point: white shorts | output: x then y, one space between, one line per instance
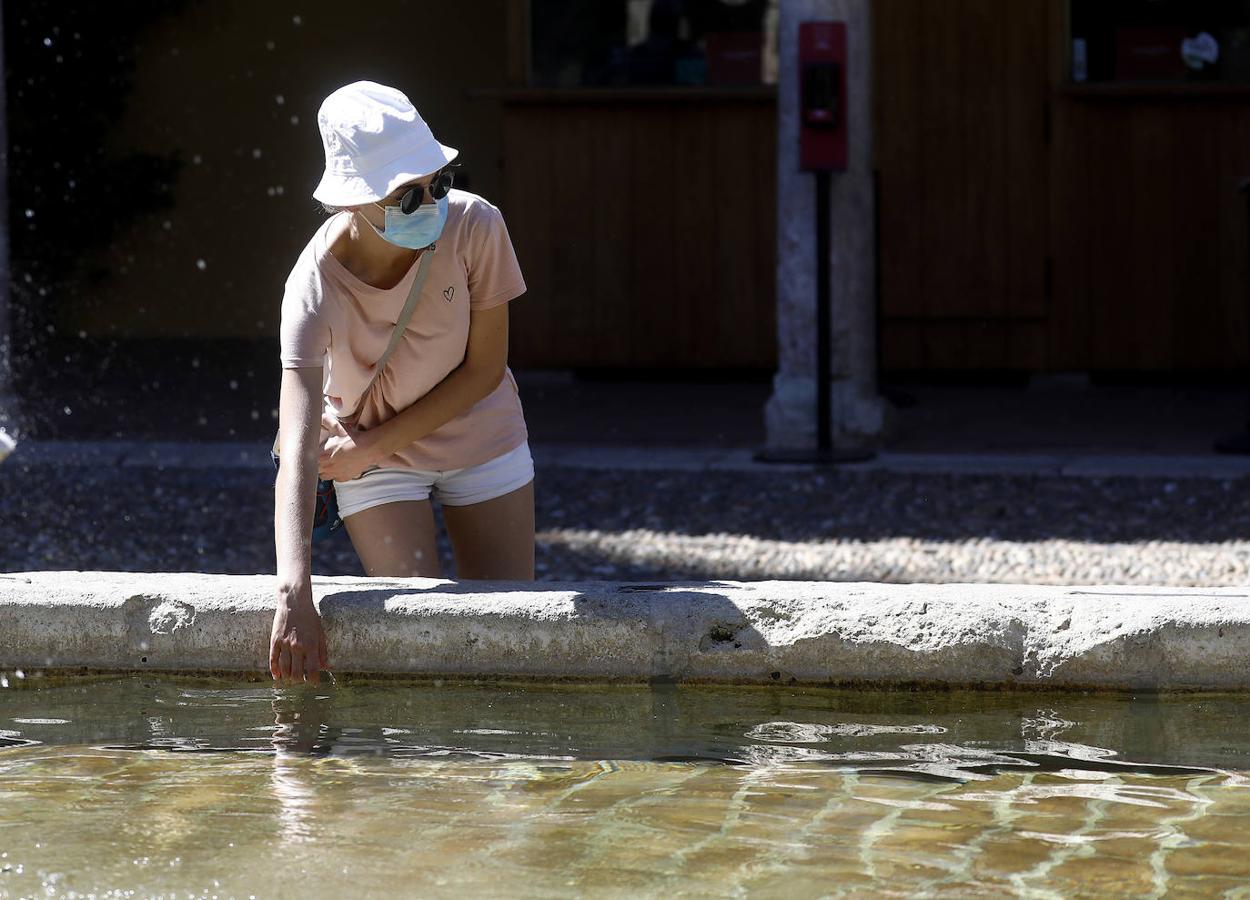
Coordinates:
452 487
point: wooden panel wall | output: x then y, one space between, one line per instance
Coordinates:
645 231
961 89
1150 239
1033 225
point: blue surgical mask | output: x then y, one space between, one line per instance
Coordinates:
418 229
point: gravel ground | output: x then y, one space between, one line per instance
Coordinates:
664 526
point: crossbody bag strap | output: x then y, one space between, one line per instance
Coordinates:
410 305
423 269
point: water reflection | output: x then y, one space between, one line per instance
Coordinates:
301 723
300 730
638 789
964 736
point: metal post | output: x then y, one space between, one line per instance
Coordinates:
824 452
824 321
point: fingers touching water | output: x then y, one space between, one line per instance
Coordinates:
297 643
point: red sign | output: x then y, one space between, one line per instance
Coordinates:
822 96
1149 54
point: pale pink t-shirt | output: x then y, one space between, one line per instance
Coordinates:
331 318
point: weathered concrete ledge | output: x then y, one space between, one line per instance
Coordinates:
747 632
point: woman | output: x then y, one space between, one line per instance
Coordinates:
443 417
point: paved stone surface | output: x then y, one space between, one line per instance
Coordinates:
761 632
80 506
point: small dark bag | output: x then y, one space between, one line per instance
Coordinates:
326 519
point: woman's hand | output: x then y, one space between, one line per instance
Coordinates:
348 452
297 644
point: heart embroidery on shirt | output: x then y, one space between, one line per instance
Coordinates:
447 293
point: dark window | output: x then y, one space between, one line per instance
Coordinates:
653 42
1160 40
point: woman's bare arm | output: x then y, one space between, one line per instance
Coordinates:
297 643
299 427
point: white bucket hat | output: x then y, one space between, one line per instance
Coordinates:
374 141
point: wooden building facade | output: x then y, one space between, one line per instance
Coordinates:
1040 208
1032 221
1027 220
642 206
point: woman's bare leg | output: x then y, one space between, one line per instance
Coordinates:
494 540
396 539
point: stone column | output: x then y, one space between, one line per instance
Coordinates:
858 413
8 399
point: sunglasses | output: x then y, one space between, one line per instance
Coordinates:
438 187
